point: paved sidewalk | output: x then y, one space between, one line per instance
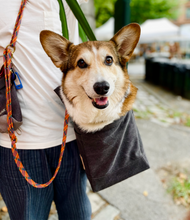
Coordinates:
155 107
157 104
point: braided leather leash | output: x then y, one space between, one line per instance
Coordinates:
7 57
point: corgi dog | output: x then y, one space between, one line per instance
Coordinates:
95 88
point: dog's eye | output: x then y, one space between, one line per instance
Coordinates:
81 63
109 60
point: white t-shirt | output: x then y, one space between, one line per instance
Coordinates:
42 110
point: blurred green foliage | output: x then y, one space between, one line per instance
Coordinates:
180 190
141 10
104 9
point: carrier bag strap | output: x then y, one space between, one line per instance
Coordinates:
7 57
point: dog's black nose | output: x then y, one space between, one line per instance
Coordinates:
101 88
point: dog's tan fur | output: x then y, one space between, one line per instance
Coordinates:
77 83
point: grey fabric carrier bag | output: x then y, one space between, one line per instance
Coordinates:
112 154
16 111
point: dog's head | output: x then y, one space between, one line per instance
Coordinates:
94 74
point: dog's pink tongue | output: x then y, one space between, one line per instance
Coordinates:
101 101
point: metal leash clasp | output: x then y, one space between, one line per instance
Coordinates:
16 79
11 48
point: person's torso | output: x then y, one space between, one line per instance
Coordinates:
42 110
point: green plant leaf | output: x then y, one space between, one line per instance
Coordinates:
74 6
63 19
82 34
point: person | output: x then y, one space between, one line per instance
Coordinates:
40 138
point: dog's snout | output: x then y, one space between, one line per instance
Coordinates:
101 88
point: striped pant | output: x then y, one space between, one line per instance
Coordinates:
68 190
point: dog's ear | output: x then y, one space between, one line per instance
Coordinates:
126 40
56 47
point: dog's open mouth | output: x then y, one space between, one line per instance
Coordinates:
100 103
